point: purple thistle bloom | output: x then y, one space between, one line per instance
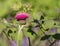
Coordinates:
57 43
25 41
54 29
21 16
13 43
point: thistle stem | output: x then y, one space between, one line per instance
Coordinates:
19 31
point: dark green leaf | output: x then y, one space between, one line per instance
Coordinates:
30 30
56 36
45 37
10 31
42 17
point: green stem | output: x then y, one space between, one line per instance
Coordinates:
19 31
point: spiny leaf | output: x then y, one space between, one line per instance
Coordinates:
45 37
56 36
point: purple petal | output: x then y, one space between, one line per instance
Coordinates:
25 41
13 43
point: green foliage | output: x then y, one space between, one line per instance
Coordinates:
47 12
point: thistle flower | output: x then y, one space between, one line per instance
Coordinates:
54 29
57 43
25 41
21 16
13 43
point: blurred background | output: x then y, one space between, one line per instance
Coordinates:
43 13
